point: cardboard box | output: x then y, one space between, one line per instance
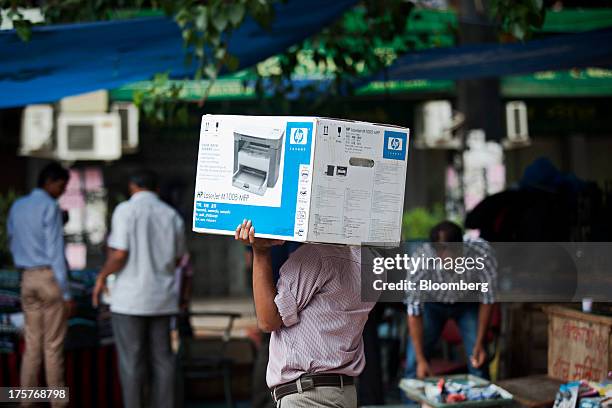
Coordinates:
579 344
302 179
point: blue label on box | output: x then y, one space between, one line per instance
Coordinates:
267 220
395 144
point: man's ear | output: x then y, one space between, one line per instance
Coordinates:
132 187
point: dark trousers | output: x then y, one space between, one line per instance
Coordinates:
143 346
260 397
370 386
435 316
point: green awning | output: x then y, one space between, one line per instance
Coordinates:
575 83
430 28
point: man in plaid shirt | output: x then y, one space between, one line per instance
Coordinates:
429 311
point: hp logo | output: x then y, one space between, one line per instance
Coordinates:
394 143
299 136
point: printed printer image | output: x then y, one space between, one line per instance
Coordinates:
257 157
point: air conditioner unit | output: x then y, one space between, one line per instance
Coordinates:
91 102
128 112
434 125
37 130
517 131
95 136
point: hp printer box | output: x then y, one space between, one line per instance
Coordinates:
303 179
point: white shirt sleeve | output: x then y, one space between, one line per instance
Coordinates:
119 237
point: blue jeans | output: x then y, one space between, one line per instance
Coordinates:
435 316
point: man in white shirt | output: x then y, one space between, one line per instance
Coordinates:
147 240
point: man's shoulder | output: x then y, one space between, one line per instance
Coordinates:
477 244
167 209
308 253
318 257
422 249
154 207
20 202
123 207
15 209
29 200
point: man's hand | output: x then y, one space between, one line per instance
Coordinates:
115 261
479 356
415 328
99 288
245 232
422 369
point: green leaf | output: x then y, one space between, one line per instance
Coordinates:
214 39
518 32
220 21
182 115
211 71
138 97
182 17
159 114
23 28
201 19
236 13
220 53
187 35
232 62
161 78
147 107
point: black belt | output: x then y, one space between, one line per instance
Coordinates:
310 381
34 268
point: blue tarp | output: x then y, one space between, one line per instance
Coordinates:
64 60
588 49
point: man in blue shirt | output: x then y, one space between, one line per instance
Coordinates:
35 231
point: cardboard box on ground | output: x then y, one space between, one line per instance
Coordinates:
579 344
306 179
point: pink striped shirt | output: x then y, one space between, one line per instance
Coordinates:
319 300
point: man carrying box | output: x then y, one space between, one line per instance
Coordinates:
316 318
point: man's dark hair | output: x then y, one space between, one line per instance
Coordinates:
52 172
446 231
146 179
